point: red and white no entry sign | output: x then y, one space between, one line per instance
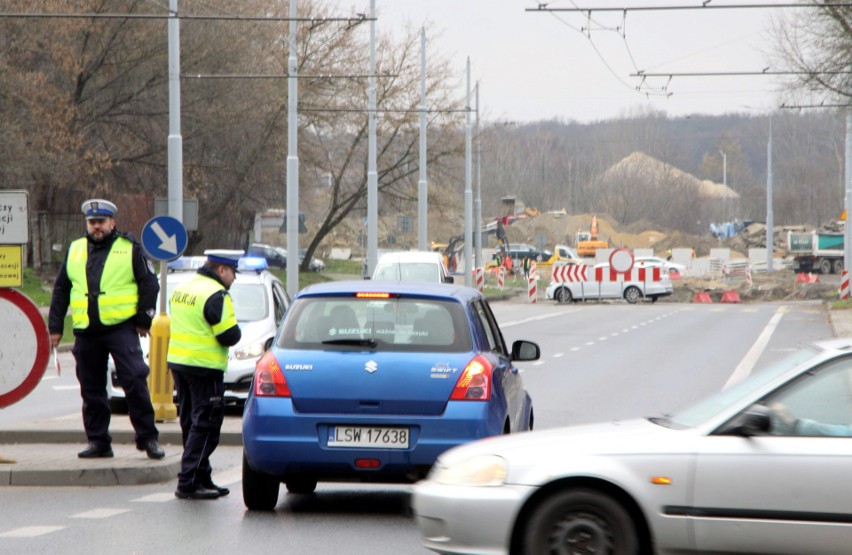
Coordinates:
24 346
621 260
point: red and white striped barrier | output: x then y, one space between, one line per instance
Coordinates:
569 272
844 284
479 279
531 289
501 277
582 272
636 274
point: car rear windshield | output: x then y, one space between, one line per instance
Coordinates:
392 324
408 271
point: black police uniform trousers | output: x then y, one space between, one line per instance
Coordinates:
91 352
201 406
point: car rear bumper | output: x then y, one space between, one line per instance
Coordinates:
280 442
444 516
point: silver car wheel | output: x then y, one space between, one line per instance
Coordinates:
577 522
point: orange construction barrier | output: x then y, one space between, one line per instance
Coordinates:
702 297
730 297
807 278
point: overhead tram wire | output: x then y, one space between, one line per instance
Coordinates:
189 17
542 7
663 90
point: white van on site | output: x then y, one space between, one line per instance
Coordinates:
424 266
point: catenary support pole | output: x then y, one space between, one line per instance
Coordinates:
372 173
468 191
292 158
422 189
770 217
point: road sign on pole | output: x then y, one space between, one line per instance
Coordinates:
164 238
24 349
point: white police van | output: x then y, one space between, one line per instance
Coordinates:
260 301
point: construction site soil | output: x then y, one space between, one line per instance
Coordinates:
780 285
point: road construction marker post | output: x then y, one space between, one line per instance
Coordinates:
531 289
164 238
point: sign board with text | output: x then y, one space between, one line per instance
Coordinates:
11 266
14 218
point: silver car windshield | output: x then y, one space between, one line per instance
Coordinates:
715 404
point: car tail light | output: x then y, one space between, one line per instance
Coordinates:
368 463
269 379
474 384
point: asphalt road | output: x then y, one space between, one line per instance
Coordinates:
600 362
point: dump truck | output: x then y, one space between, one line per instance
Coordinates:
820 251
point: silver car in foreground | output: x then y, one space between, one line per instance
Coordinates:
764 466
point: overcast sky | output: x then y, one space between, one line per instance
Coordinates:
540 66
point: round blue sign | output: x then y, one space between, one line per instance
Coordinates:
164 238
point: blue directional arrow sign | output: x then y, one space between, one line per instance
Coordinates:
164 238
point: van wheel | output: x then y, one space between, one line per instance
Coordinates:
632 295
563 295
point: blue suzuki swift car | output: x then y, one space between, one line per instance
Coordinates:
371 380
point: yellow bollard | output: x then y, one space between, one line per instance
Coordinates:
160 380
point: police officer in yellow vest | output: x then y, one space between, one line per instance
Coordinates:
203 326
112 290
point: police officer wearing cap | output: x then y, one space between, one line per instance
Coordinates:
203 326
112 290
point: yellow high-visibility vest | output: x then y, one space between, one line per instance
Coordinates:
193 340
118 291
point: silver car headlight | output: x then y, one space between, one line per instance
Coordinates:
255 350
483 470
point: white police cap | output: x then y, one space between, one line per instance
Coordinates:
228 257
98 208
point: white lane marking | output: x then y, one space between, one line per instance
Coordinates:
31 531
558 355
576 348
746 365
535 318
105 512
155 498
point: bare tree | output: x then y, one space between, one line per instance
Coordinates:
817 42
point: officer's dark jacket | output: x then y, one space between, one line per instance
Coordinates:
143 272
213 314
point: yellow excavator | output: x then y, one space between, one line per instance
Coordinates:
588 242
